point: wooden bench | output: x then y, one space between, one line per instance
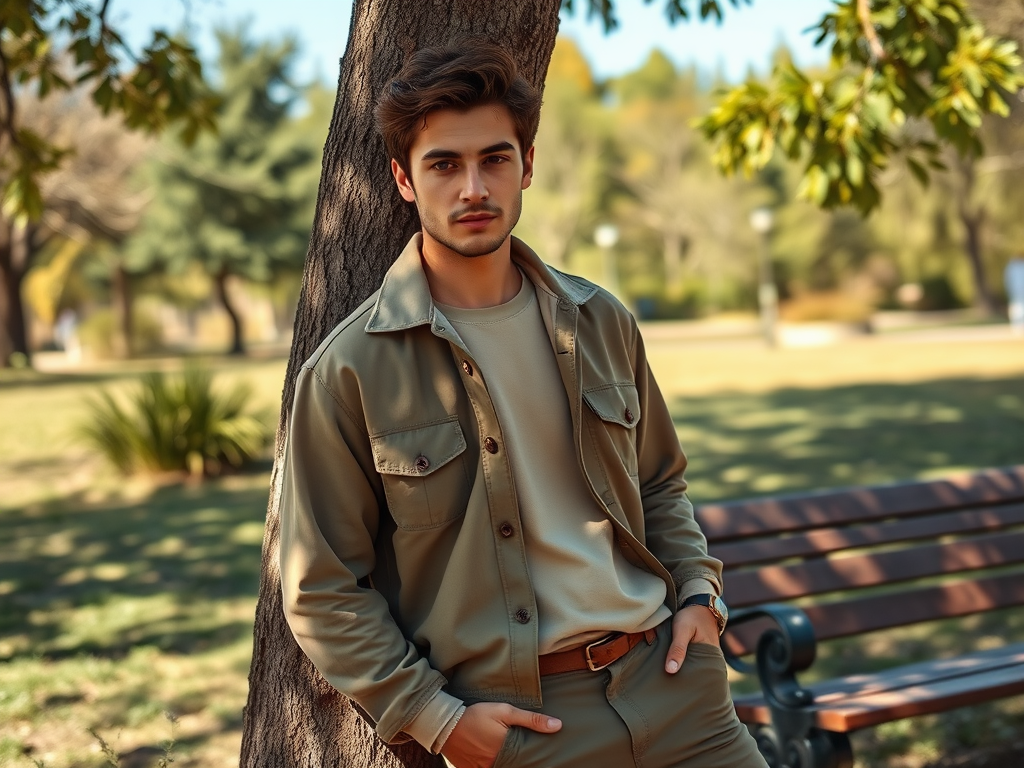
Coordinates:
805 568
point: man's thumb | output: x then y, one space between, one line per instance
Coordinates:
535 721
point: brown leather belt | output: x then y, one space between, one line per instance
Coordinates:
593 656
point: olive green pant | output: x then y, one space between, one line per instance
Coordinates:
635 714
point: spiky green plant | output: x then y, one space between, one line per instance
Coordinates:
178 423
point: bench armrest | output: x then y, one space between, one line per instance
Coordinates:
782 651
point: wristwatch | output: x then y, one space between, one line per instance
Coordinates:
713 603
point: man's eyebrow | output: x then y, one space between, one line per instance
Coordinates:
501 146
441 154
451 154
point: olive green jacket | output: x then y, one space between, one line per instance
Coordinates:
402 564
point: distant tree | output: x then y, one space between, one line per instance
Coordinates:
60 45
237 203
91 200
570 174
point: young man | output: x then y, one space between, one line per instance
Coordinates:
485 537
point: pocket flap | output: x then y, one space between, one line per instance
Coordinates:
617 403
418 451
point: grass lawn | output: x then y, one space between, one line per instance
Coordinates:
122 600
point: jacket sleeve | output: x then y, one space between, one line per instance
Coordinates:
672 534
329 520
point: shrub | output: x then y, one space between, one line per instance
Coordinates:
177 424
825 307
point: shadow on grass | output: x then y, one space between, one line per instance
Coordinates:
744 445
17 379
171 570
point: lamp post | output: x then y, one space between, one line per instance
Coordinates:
606 236
761 221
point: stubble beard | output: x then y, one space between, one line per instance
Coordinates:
440 231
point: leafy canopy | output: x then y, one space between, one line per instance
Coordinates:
905 77
48 45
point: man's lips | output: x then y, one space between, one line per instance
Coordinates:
476 220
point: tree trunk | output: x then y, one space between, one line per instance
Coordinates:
672 254
293 717
123 304
973 222
14 251
237 342
973 219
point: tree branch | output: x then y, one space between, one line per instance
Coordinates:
7 126
102 14
864 14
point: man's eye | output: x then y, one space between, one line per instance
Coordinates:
443 165
496 159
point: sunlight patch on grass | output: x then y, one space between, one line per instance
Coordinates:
247 533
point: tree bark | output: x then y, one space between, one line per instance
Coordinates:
237 340
14 253
293 717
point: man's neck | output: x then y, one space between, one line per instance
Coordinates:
470 282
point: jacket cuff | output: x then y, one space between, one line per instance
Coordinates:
433 719
695 587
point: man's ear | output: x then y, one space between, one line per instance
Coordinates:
527 168
404 182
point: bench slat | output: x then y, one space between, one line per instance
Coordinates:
866 614
912 694
835 691
821 542
815 577
721 522
944 601
923 700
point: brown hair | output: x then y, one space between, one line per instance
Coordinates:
461 76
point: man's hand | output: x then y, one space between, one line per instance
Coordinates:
477 738
695 624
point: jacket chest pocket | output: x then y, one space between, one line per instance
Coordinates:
424 473
617 407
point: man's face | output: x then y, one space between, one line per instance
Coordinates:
466 176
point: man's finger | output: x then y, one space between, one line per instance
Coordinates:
535 721
677 651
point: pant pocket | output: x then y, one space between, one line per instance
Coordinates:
506 756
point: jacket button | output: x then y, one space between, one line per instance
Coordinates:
467 367
491 445
422 463
506 530
523 616
628 416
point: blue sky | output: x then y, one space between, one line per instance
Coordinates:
744 41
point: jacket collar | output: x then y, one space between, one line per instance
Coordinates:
404 299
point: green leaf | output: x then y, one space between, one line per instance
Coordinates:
855 170
814 186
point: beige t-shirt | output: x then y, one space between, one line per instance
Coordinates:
584 586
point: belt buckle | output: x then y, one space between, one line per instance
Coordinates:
586 653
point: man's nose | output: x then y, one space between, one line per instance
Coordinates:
473 186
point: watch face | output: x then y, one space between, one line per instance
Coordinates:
721 607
